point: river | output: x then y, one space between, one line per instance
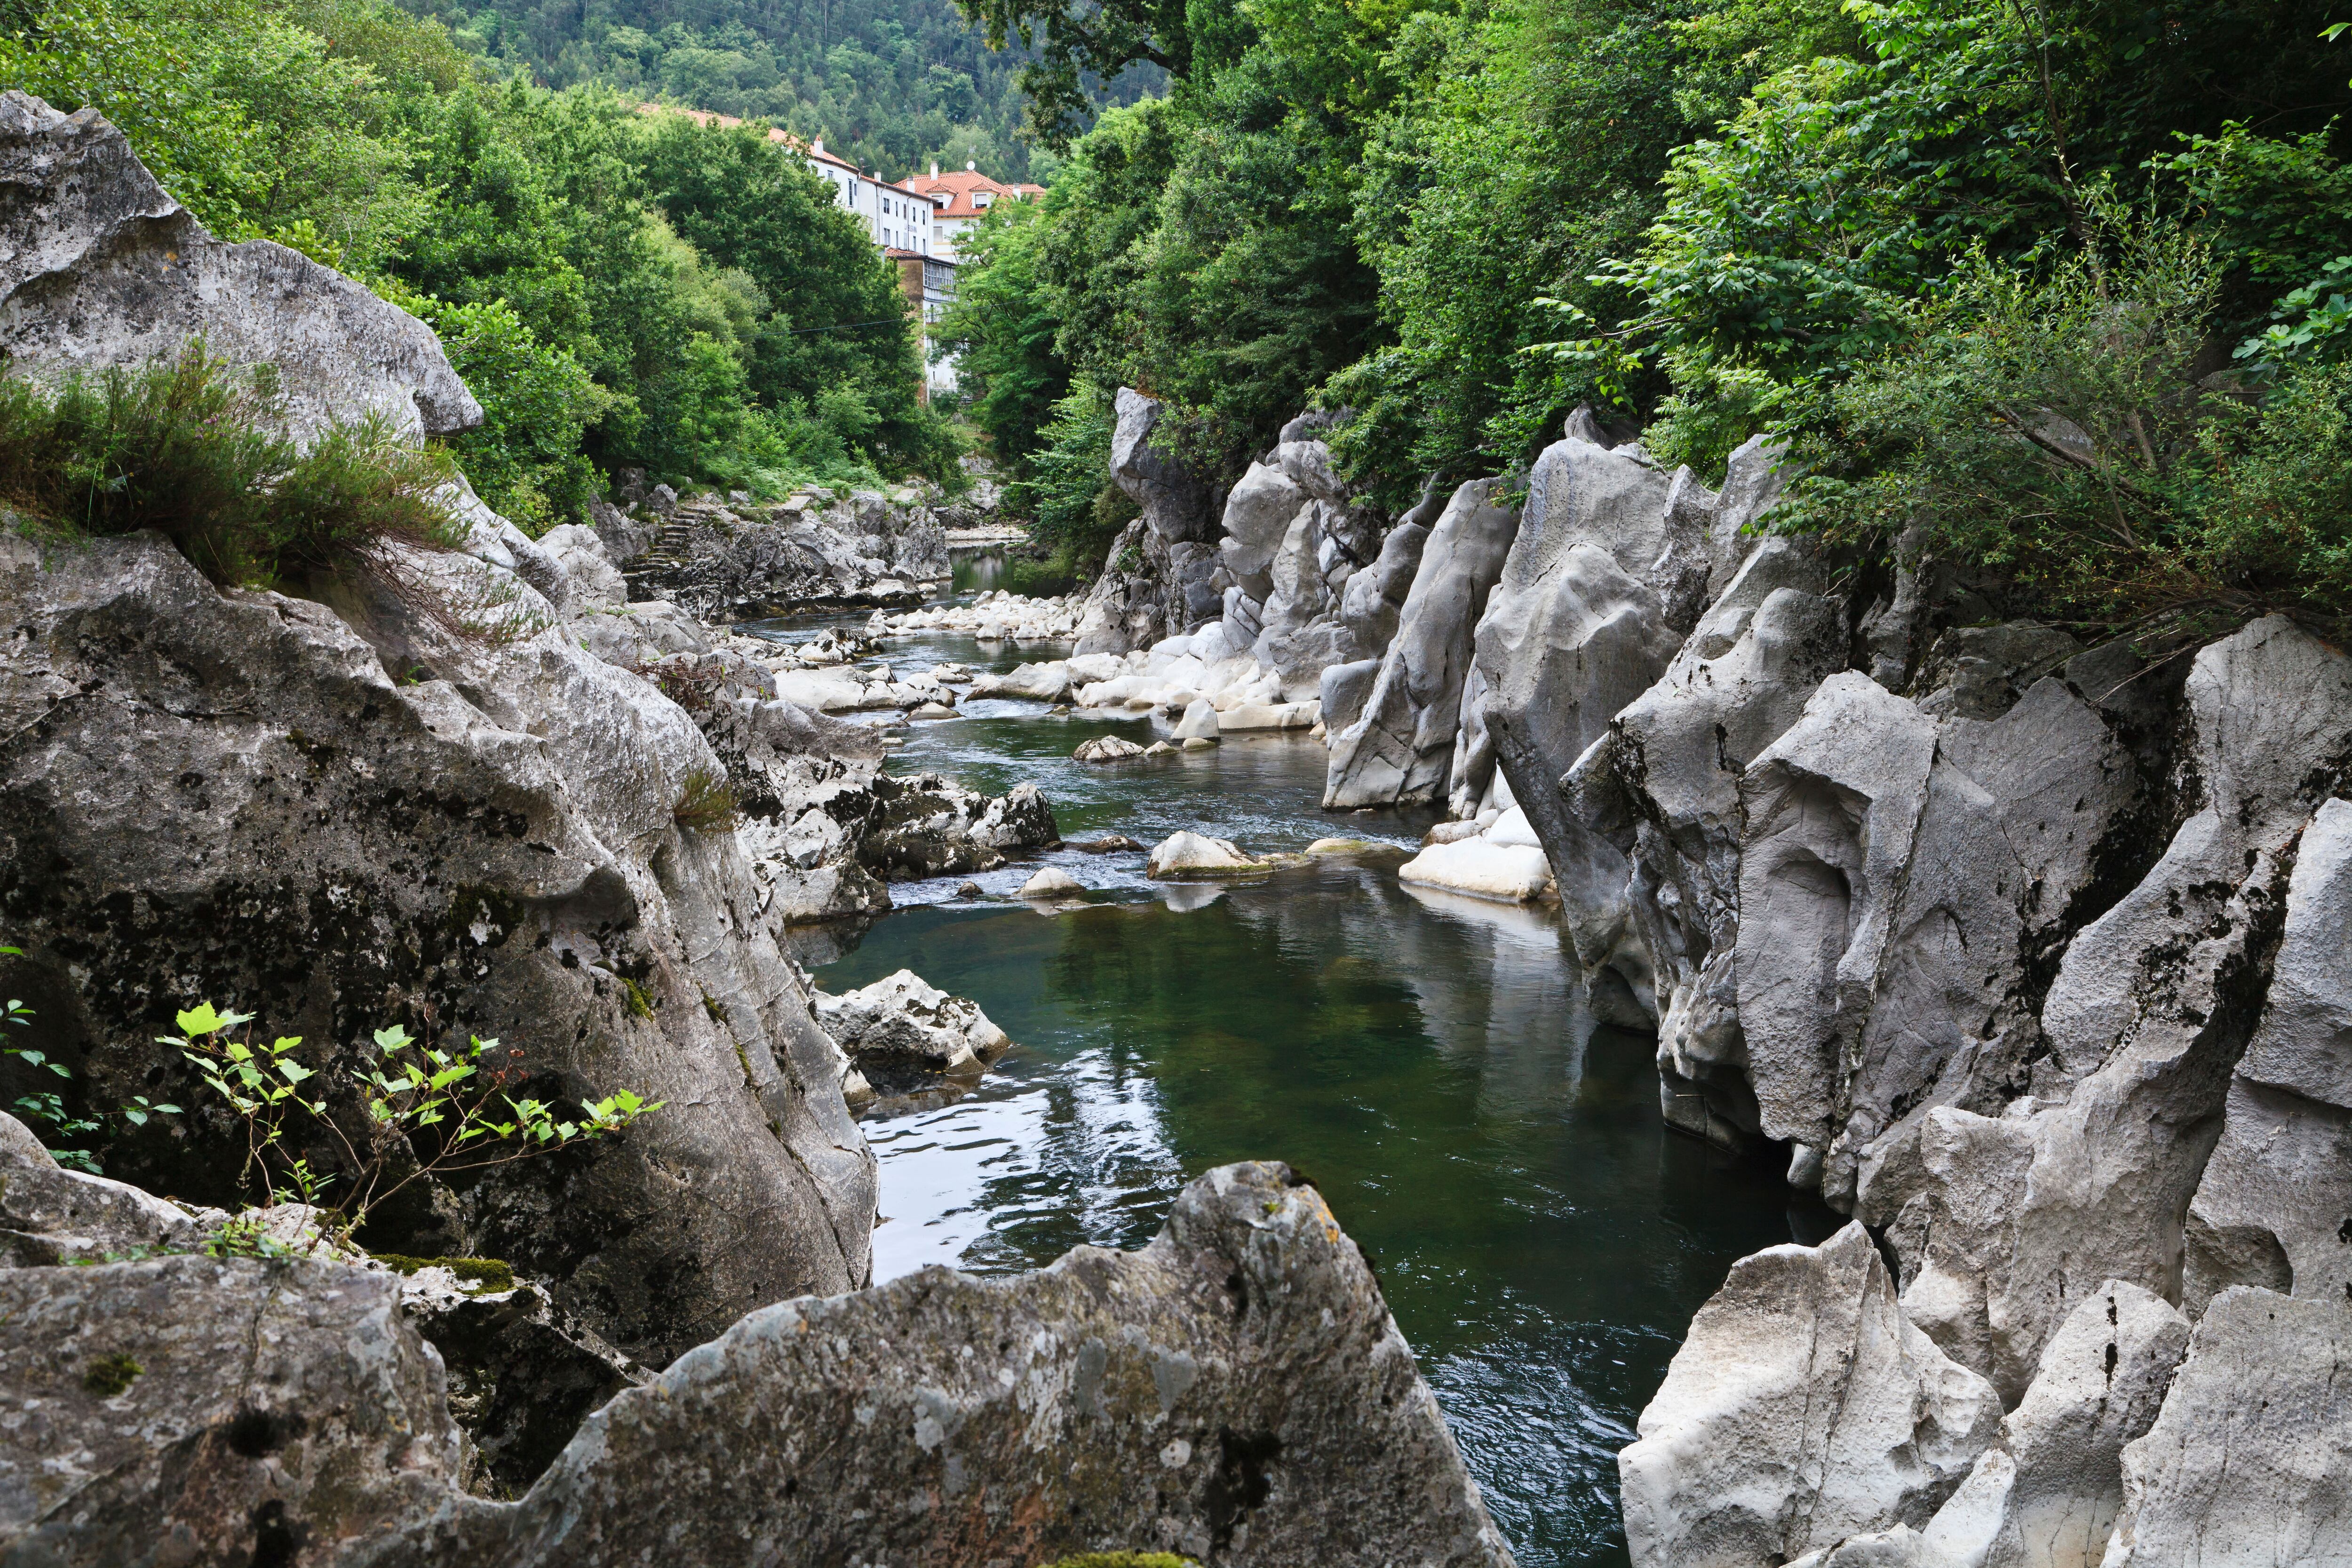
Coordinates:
1427 1059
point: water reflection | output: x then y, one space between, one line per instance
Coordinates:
1428 1061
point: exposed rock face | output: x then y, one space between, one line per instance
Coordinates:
1803 1409
2269 1209
2152 1004
1188 854
1575 629
902 1033
2252 1459
98 266
741 561
224 1411
1177 505
49 1215
1401 748
227 798
1236 1392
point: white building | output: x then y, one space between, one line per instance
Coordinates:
961 200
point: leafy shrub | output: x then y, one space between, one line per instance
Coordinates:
1076 508
46 1108
433 1104
189 450
2054 427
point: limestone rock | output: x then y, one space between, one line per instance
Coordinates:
1174 499
49 1215
1343 690
1258 514
1512 873
1107 749
1374 598
1402 746
2269 1208
1803 1409
1190 854
595 584
225 796
1829 807
2018 1215
1050 882
1574 630
1199 720
234 1410
1664 795
1047 683
902 1032
102 267
2046 1493
2250 1460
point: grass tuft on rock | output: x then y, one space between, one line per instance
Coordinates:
706 803
193 450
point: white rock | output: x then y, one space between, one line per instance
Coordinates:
2250 1460
1803 1409
1198 855
1107 749
1514 873
1049 882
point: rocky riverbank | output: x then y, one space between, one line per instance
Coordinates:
2006 945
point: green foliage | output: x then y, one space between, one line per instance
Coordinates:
491 1274
1066 489
1001 331
429 1112
2054 427
887 83
187 448
706 803
525 459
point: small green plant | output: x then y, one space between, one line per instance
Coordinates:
48 1108
442 1105
706 803
110 1375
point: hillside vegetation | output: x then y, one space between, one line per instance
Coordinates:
617 289
2055 282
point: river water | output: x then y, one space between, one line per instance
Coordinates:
1427 1059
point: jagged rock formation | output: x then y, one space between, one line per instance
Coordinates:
99 267
902 1033
738 561
1236 1392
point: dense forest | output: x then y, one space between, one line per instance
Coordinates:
889 84
617 289
2053 280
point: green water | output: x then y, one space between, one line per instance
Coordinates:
1426 1059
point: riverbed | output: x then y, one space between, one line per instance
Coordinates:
1427 1059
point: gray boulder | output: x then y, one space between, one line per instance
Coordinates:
1401 748
1803 1409
1236 1391
2250 1460
902 1033
2269 1209
50 1215
1374 598
1575 630
1258 514
227 798
230 1410
99 267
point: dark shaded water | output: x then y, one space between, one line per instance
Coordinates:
1427 1059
